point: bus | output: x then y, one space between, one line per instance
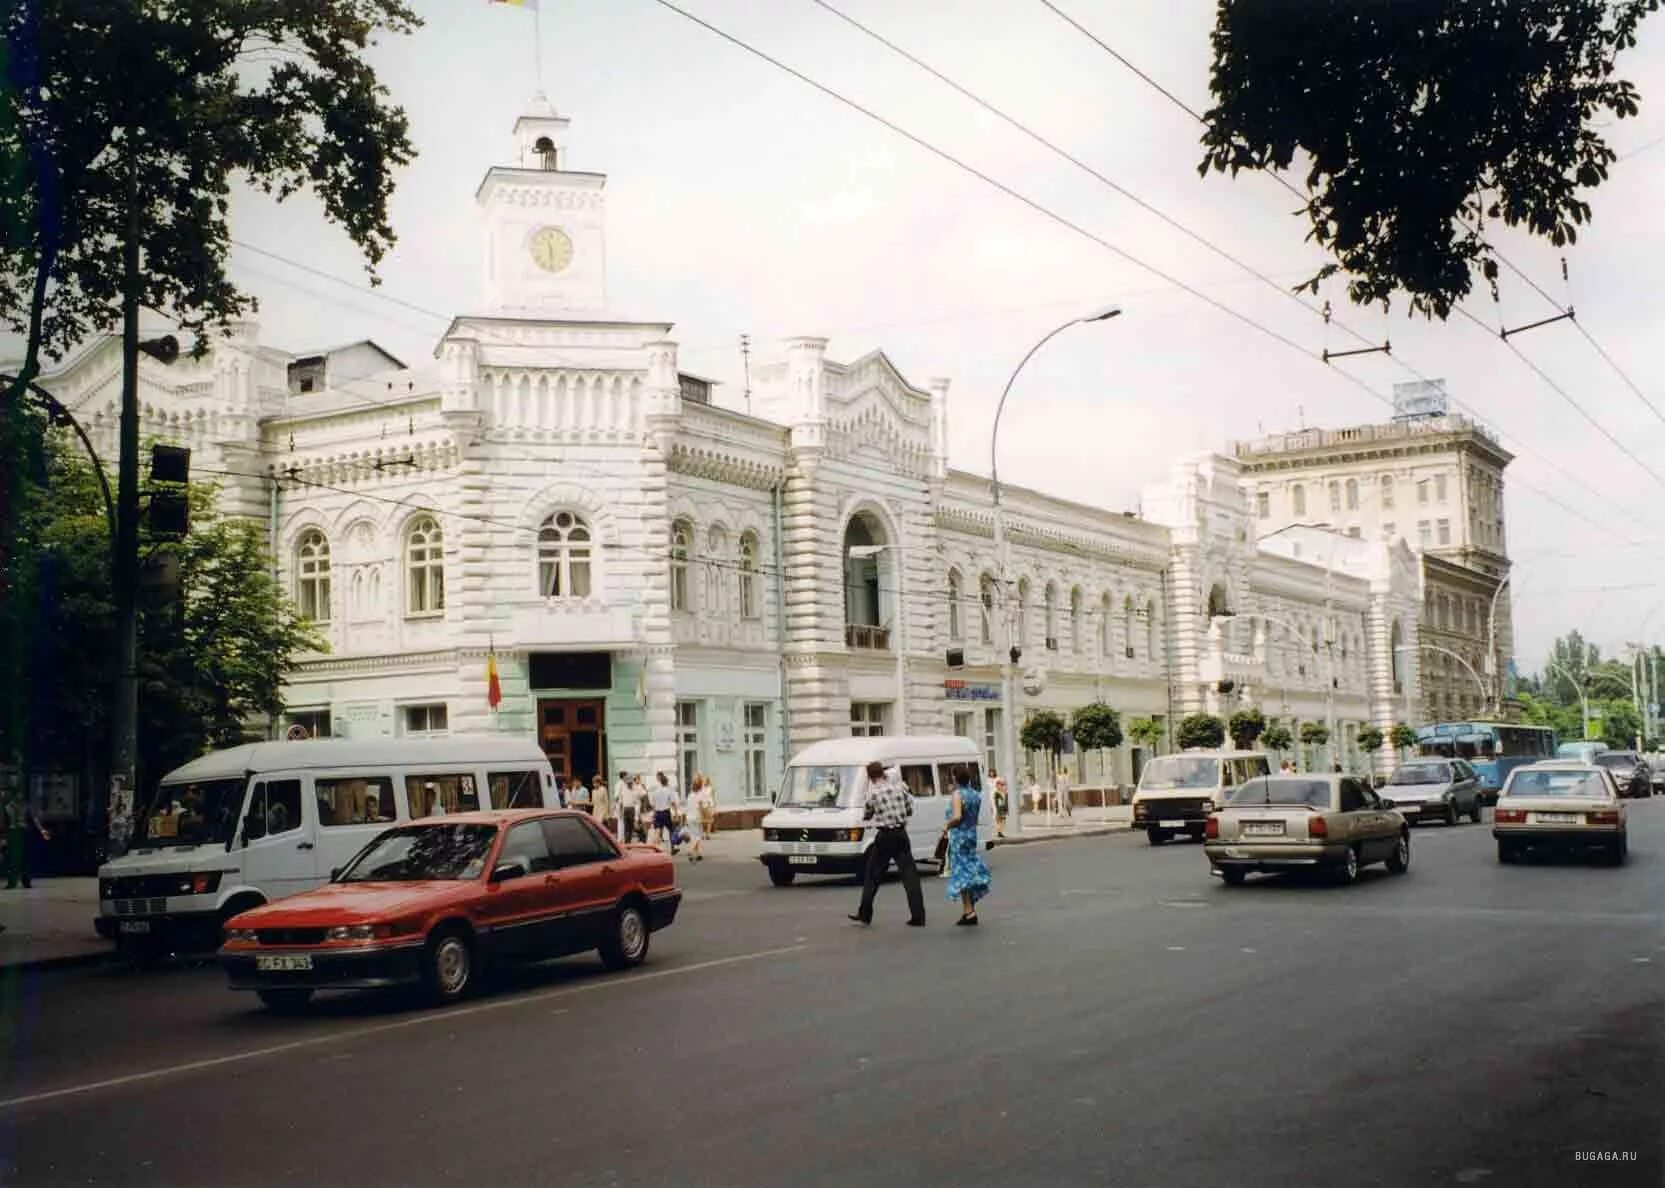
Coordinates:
1494 749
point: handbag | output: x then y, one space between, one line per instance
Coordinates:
941 855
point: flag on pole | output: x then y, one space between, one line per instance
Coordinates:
494 687
532 4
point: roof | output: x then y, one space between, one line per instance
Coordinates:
234 762
326 352
887 749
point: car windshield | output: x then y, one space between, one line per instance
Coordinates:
818 787
422 851
1549 782
1422 773
1180 771
1618 759
191 814
1283 790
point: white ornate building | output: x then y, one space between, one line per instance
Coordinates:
667 584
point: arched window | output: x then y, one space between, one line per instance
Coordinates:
424 567
546 153
716 572
1396 641
954 605
1298 499
1127 627
1075 620
985 596
1218 603
312 576
1104 626
1023 612
749 605
1335 495
1352 494
564 556
1051 596
1153 633
682 548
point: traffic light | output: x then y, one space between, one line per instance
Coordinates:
169 513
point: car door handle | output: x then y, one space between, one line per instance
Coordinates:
303 845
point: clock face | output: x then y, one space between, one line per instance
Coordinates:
551 249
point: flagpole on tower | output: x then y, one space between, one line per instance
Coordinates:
537 44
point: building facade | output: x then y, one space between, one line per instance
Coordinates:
665 584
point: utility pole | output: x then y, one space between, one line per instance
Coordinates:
124 566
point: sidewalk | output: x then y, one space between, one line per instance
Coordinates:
50 923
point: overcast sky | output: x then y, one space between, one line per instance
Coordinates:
741 200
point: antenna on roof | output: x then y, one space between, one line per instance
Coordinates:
746 362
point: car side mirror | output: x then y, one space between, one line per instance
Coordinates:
335 874
514 868
254 827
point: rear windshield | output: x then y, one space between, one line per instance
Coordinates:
1546 782
1422 773
1180 771
1619 759
1283 790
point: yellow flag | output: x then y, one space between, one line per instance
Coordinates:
532 4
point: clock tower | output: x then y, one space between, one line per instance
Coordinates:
545 225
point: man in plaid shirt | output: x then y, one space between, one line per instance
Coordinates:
889 806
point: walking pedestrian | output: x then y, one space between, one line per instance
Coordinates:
889 806
693 819
644 807
1001 804
23 828
601 802
968 875
624 807
1065 796
708 809
579 796
664 805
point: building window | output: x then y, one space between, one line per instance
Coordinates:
1023 612
1335 496
316 722
985 596
312 576
1439 488
425 719
1422 491
1352 494
1050 639
1424 533
564 557
749 605
954 605
1075 620
963 724
1389 530
716 573
1104 625
752 741
682 547
867 719
1445 532
1387 492
1353 531
687 743
1153 632
1263 504
1127 627
1298 499
991 739
424 567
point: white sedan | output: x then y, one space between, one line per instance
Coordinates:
1560 805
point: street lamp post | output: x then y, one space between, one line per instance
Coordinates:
1583 701
1008 714
1467 667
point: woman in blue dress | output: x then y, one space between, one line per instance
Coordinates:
968 876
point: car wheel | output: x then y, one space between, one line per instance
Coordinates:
285 1002
448 970
1506 852
1347 870
1400 860
1234 878
1451 814
1616 852
1156 836
781 875
1478 813
627 944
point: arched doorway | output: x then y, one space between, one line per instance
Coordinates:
866 556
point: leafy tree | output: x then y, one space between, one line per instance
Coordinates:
1245 726
1276 737
1402 737
1314 734
1044 731
1419 123
1096 727
1147 732
1201 730
1370 739
1620 723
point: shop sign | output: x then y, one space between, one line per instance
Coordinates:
957 690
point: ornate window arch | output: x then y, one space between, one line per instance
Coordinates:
717 570
1023 612
566 556
750 606
1075 620
1298 499
682 548
1104 624
312 575
1051 633
424 566
986 597
1352 494
1127 627
955 592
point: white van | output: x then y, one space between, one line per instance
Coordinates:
238 827
1177 792
816 826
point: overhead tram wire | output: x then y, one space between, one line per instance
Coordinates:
1061 220
1289 186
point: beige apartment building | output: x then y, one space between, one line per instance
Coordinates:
1434 480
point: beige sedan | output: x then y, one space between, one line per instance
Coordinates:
1560 805
1305 822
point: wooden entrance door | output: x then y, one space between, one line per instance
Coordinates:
574 736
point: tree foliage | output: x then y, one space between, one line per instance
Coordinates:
1276 737
1147 732
1044 731
1421 123
1201 730
1402 737
1245 727
1314 734
1096 727
1370 739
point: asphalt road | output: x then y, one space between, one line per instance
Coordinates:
1119 1019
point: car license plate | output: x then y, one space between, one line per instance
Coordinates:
1556 818
1263 829
1172 824
802 860
284 962
134 926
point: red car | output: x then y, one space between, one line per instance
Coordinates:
434 901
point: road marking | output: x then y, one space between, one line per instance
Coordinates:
1171 949
380 1028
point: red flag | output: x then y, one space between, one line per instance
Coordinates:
494 688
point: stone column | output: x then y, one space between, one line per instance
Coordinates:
661 414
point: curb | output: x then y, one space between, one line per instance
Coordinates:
1095 831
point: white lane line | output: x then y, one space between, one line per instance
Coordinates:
379 1028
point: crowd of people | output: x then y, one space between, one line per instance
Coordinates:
656 812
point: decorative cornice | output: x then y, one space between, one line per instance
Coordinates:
382 662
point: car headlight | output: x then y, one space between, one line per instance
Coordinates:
246 936
855 835
343 932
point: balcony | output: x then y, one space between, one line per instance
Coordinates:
865 637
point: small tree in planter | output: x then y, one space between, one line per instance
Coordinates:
1044 731
1370 741
1246 726
1313 734
1147 732
1276 737
1201 730
1096 727
1402 737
